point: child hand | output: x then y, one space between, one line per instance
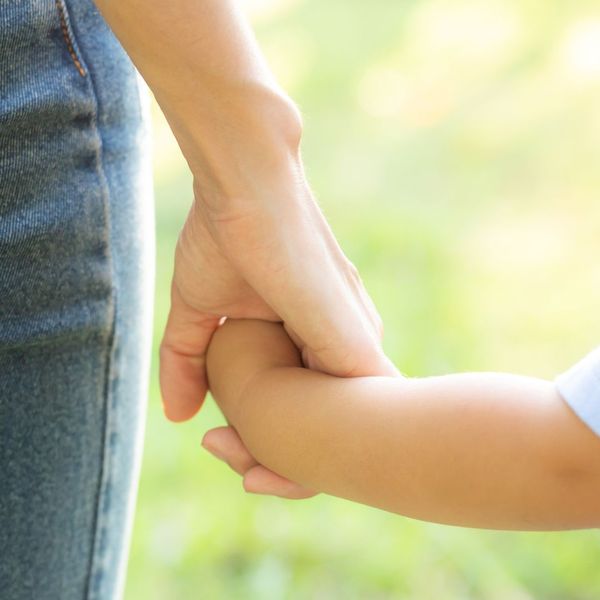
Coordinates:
230 366
225 444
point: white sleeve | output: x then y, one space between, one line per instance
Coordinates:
580 388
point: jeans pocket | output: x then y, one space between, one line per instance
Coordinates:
69 36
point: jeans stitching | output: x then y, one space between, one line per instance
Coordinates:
67 34
96 568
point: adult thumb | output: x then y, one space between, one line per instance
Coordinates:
182 357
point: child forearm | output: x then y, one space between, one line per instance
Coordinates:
482 449
476 449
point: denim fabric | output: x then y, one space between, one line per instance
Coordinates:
76 283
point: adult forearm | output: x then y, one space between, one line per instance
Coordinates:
481 450
235 125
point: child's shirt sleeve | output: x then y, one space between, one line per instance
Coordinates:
580 388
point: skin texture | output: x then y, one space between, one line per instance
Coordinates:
488 450
255 243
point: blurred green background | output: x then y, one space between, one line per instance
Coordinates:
453 146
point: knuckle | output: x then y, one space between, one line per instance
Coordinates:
163 349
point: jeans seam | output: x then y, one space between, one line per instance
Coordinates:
63 14
98 526
95 567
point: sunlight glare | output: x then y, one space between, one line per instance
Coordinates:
580 51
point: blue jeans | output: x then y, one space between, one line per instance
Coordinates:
76 289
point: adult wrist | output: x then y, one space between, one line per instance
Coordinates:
240 144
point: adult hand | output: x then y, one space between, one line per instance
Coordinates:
255 243
272 258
